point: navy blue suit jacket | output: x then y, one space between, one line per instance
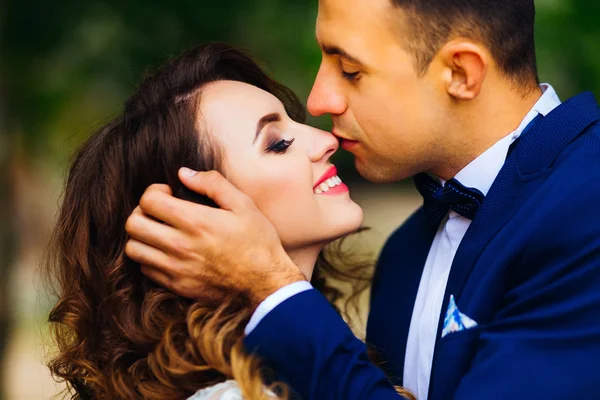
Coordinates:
527 270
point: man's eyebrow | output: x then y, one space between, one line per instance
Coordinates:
264 121
336 51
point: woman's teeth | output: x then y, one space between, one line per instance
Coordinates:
328 184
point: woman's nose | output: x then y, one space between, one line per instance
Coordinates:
324 144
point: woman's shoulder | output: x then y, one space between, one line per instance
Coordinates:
228 390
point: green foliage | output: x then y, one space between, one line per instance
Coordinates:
568 45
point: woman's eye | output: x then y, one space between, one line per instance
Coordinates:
279 146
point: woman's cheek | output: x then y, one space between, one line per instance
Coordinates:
281 189
275 191
284 197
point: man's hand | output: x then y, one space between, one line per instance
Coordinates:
192 249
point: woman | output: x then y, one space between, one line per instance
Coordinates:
119 335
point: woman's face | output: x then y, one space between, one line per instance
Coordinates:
280 164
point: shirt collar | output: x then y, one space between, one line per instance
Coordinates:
482 171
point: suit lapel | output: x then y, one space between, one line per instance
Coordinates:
397 287
413 266
540 144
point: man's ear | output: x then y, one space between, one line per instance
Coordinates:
464 66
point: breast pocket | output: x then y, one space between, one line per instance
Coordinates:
451 361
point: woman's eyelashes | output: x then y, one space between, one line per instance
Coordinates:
279 146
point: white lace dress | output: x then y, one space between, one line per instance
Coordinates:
228 390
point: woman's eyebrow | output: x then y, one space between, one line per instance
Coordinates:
264 121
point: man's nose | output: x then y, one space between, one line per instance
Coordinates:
326 96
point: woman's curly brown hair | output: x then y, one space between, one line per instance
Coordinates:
119 335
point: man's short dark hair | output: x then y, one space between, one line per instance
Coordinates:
505 27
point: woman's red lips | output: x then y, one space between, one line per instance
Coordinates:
330 173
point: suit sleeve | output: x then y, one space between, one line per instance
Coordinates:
308 345
545 340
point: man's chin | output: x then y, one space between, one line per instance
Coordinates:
377 173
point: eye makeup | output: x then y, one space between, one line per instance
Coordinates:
279 146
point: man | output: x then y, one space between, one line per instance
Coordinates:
491 290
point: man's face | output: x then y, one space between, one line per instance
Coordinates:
386 114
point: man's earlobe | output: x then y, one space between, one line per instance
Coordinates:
465 64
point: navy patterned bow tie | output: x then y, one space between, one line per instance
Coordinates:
452 196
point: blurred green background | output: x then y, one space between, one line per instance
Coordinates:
67 66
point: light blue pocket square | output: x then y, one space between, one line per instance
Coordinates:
455 321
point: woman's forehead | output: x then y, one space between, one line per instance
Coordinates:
231 107
229 97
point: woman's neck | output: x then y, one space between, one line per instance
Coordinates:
305 258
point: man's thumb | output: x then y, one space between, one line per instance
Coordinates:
187 173
213 185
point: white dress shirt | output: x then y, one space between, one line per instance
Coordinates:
479 174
